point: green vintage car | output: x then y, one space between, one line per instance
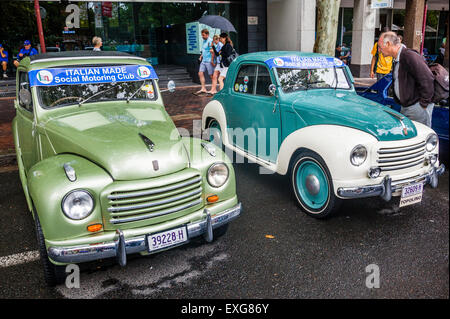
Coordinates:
298 114
104 170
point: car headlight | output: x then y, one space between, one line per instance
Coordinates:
77 204
358 155
217 174
432 142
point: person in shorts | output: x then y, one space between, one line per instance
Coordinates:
3 60
205 61
225 52
216 58
27 50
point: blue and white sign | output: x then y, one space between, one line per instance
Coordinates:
298 62
106 74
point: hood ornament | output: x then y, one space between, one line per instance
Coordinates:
148 142
400 118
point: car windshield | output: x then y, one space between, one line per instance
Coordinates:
292 79
63 95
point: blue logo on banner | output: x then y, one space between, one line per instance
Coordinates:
107 74
298 62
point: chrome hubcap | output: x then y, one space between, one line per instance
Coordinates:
312 184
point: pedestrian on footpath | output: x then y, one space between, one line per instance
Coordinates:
216 60
205 61
4 60
97 43
413 80
27 50
380 64
226 57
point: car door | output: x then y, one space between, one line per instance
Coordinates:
28 139
255 115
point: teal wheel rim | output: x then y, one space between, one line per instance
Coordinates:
312 184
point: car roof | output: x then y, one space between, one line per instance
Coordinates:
266 55
66 58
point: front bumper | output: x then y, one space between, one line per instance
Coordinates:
121 247
388 187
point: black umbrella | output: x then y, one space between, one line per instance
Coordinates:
217 22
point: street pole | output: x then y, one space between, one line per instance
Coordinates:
39 25
424 26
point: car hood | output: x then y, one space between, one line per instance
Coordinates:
118 137
346 108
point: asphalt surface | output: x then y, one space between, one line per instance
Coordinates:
272 251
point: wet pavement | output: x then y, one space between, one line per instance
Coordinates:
272 251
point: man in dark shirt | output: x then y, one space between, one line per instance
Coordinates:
413 80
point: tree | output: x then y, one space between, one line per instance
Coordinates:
327 24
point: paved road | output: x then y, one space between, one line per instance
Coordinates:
301 258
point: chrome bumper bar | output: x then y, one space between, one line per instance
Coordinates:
387 187
121 247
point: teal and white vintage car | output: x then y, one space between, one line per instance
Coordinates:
298 114
104 169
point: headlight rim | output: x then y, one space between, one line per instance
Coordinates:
427 142
209 170
353 150
71 192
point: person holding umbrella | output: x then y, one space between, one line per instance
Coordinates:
226 57
205 61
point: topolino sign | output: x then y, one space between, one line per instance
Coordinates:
61 76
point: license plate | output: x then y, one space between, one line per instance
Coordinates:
411 194
167 239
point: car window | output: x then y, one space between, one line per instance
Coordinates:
263 81
24 84
245 80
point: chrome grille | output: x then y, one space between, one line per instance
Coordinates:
397 158
141 204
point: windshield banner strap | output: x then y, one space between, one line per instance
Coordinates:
298 62
105 74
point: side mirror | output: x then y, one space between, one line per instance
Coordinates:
272 89
171 86
24 98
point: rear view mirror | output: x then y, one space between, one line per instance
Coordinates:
272 89
171 86
24 98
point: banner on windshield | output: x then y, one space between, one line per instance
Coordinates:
105 74
299 62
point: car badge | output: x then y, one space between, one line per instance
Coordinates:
148 142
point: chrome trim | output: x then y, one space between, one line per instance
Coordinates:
400 158
406 165
157 191
388 186
155 203
87 58
70 172
84 253
391 150
210 149
160 213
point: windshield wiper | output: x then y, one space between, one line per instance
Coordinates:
100 92
135 92
335 78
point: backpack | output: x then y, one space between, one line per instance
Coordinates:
440 82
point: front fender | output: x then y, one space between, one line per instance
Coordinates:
48 184
333 143
214 110
201 160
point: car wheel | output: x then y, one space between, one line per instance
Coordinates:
312 185
215 133
53 274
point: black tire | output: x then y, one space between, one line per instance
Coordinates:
312 185
215 131
53 274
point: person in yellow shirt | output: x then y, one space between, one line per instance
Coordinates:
380 65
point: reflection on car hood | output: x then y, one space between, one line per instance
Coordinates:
118 137
338 107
